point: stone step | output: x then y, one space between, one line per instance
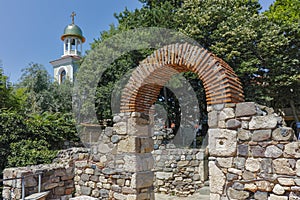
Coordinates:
204 190
37 196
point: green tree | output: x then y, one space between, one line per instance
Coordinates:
8 100
43 94
284 11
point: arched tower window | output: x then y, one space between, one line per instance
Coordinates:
62 76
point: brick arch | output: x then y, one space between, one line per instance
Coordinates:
220 82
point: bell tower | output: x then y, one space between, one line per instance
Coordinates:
66 66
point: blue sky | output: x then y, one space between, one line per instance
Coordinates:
31 29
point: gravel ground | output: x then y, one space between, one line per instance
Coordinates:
196 196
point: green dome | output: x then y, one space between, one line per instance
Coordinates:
73 30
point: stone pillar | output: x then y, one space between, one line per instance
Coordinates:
135 147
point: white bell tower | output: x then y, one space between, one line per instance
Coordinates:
66 66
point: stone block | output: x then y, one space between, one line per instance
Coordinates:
257 151
233 124
225 162
142 179
222 142
252 164
85 190
245 109
129 145
244 135
104 148
138 162
164 175
273 152
278 189
265 186
276 197
283 134
226 113
242 150
261 135
250 187
145 144
50 186
120 128
298 167
292 149
30 181
263 122
59 191
138 127
259 195
213 119
236 194
283 166
216 178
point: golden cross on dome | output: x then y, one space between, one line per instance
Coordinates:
73 15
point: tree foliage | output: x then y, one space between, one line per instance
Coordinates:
35 118
284 11
261 49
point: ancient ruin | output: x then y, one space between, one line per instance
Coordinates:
250 152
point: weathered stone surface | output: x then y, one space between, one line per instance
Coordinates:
225 162
51 186
128 145
244 135
235 171
236 194
259 195
298 167
264 186
222 142
217 178
233 124
245 109
215 196
226 113
266 166
263 122
283 166
293 149
283 134
142 179
261 135
248 175
104 148
250 187
30 181
213 119
164 175
252 164
297 181
237 186
273 152
242 150
276 197
257 151
278 189
239 162
120 128
286 181
115 139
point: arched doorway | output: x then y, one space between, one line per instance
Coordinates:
220 82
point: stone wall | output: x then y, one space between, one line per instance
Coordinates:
180 172
252 154
56 177
120 162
